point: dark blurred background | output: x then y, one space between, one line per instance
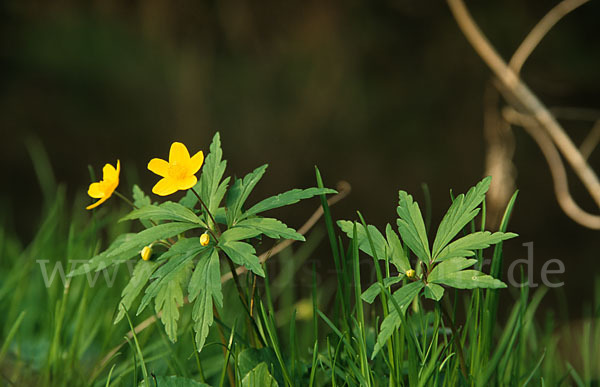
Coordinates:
383 94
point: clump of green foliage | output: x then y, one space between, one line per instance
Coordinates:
431 318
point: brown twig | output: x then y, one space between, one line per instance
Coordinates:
343 191
557 169
526 99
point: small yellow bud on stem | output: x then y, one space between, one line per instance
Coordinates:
410 273
204 239
146 252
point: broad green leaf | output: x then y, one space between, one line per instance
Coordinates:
238 234
243 254
450 266
396 253
463 209
434 291
141 274
177 259
239 192
104 259
144 238
204 287
374 290
169 298
285 199
165 211
391 323
469 279
259 377
175 381
271 227
379 243
411 226
466 246
249 358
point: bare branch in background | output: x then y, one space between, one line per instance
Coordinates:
524 100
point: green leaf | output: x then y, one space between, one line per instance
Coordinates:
396 253
259 377
469 279
391 323
285 199
239 192
144 238
411 226
434 291
374 290
104 259
450 266
204 287
165 211
271 227
169 298
249 358
379 242
141 274
238 234
243 254
466 246
140 199
462 211
176 381
177 259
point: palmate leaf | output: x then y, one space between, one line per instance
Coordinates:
204 287
243 254
379 242
165 211
210 187
466 246
177 258
463 209
374 290
285 199
169 299
411 226
403 297
397 255
239 192
450 266
271 227
238 234
141 274
468 279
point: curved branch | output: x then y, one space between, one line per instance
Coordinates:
540 30
557 169
526 98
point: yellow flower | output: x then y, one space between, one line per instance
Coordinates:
204 239
410 273
104 188
179 172
146 252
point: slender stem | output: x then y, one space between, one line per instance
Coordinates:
461 356
207 211
225 347
124 198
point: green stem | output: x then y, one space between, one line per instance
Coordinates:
207 211
125 199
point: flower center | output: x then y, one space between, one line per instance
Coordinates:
177 171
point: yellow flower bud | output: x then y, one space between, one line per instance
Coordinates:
204 239
146 253
410 273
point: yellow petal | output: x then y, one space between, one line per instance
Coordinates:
109 173
187 182
196 162
96 190
159 166
178 153
164 187
97 203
